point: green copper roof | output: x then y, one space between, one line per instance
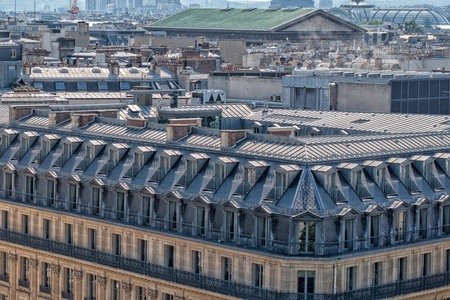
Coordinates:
231 18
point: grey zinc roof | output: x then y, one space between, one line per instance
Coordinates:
64 73
352 121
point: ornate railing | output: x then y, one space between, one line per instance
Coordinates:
212 284
45 289
235 238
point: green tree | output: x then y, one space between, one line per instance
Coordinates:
412 27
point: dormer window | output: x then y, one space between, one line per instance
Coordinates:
191 170
141 155
138 159
90 153
167 159
67 151
284 176
219 174
307 236
113 156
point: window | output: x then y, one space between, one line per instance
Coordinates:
124 85
191 170
96 201
348 234
116 244
46 228
67 152
24 269
29 188
120 205
51 195
351 278
201 220
9 185
142 250
446 219
261 230
4 267
423 222
249 178
140 293
69 233
115 290
13 53
167 296
139 160
73 196
45 275
169 256
375 230
92 239
60 86
306 236
25 224
400 226
91 287
376 275
164 165
219 174
45 148
426 264
226 268
447 261
172 215
81 86
5 219
103 86
146 210
196 262
401 272
38 85
113 156
306 282
230 225
281 184
258 275
90 153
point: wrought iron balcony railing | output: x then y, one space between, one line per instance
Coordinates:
217 285
232 238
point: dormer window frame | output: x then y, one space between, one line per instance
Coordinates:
29 188
121 205
96 202
262 229
50 191
113 155
9 181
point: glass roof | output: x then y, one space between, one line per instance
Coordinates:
422 16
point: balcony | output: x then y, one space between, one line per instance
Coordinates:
67 295
24 283
218 235
233 289
4 277
45 289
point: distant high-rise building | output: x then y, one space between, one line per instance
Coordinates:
326 3
291 3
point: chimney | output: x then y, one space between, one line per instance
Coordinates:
175 132
26 69
378 63
19 112
58 117
229 138
197 122
281 131
114 68
82 120
136 123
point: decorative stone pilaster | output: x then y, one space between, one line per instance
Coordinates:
127 288
34 263
56 270
13 258
153 294
101 281
78 275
